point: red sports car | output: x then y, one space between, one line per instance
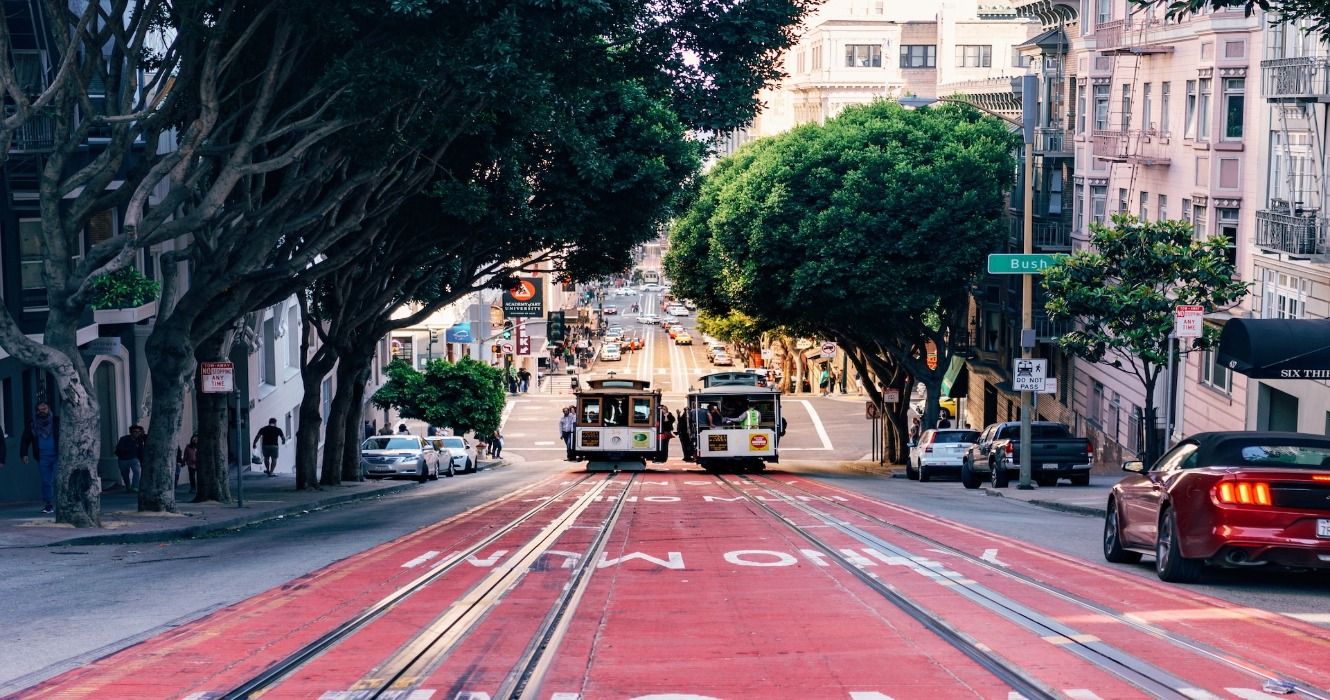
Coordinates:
1226 499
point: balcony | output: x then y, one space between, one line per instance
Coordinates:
34 135
1133 35
1052 235
1109 144
1051 141
1049 330
1295 234
1302 79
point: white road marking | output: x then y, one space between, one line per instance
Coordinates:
1249 693
817 425
507 411
1080 694
420 560
990 555
866 458
543 442
1198 694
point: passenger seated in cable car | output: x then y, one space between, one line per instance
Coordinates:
616 411
591 412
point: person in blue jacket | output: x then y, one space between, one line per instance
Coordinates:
42 436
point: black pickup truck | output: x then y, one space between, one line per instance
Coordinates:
1054 454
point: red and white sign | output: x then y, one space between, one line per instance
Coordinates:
1189 321
758 443
522 337
217 377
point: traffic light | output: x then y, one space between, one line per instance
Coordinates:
433 336
555 330
508 329
496 349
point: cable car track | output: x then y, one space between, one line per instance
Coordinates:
434 641
1135 671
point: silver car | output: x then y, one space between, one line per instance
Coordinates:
399 457
463 452
939 450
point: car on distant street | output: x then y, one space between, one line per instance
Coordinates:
651 287
722 359
713 347
674 330
610 310
678 310
648 319
682 338
1227 499
610 353
399 457
939 451
688 304
464 455
625 292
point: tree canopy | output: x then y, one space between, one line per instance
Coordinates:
1315 12
1122 295
464 396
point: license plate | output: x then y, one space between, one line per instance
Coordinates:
1323 527
1051 466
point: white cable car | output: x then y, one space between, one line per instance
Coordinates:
748 432
617 425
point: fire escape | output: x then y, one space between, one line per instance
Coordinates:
1115 139
1298 90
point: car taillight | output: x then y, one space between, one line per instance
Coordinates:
1089 449
1008 449
1247 493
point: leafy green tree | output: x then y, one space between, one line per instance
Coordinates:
874 225
464 396
1121 295
734 327
1315 12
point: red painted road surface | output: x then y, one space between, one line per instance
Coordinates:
715 587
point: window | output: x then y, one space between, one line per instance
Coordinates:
1078 105
1283 296
1103 11
1147 104
1163 208
1122 200
30 263
1101 107
1018 60
1096 412
863 56
293 337
402 349
1215 375
1189 121
974 56
799 61
817 56
1165 94
1078 207
642 410
268 353
1227 226
1135 435
1114 416
1145 206
1098 204
918 56
1126 107
1292 167
1186 210
1199 230
1203 110
1234 104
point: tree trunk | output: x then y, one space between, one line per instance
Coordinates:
1154 444
170 365
216 438
311 419
78 487
351 453
335 437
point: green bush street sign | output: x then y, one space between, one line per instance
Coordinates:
1020 264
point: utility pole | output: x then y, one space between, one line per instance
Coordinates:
1029 110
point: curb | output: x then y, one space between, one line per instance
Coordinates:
235 523
1049 505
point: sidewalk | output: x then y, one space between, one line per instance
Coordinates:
23 524
1085 500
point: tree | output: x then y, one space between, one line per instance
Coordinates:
464 396
1315 12
1121 295
823 229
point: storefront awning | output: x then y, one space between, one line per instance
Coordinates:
1276 348
957 379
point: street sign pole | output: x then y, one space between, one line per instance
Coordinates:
1027 281
241 462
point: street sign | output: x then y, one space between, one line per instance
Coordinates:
870 410
1050 386
1189 321
506 346
828 349
522 337
767 354
892 396
1020 263
1029 374
217 377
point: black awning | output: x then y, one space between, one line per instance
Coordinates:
1276 348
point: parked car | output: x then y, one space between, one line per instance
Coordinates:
713 347
1226 499
722 359
610 353
447 458
399 456
463 452
688 304
939 451
1054 454
682 338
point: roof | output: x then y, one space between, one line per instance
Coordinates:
1223 447
736 390
1052 40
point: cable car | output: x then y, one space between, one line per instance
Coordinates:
750 426
617 425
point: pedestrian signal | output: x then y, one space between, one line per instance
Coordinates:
508 329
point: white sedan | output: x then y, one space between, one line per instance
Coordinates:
610 353
463 453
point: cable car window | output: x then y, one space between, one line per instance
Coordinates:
590 412
616 410
642 411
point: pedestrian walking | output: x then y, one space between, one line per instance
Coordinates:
496 445
369 430
824 380
129 453
42 435
567 424
523 380
269 435
190 457
666 430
